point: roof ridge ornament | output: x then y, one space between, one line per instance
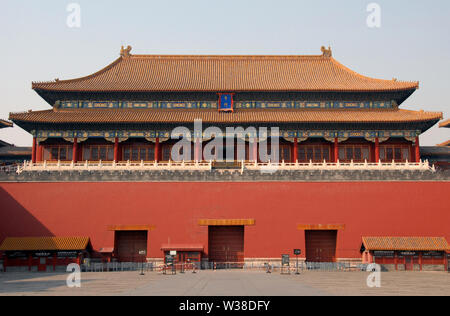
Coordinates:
326 52
125 52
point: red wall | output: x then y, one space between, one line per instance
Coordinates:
366 208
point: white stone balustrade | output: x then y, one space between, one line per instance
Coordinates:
208 166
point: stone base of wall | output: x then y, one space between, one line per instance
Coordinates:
416 267
225 175
433 267
387 267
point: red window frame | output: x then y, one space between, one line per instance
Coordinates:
316 153
88 150
396 152
49 152
144 152
354 152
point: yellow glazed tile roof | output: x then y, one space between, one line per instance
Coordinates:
44 243
214 116
444 144
4 123
146 73
445 123
406 243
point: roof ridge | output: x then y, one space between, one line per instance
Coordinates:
243 56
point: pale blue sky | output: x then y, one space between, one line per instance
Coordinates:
36 44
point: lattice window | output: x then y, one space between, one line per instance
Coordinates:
98 152
314 153
58 152
398 153
138 152
357 153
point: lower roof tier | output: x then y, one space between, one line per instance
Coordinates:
142 116
4 123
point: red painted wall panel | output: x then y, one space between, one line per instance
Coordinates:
366 208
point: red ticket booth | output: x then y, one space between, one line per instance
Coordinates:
185 253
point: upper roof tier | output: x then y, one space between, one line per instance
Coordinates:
158 73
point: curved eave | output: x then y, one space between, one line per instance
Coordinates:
86 117
445 123
4 124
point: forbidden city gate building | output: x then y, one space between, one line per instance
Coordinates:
122 116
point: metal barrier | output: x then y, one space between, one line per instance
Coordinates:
278 267
117 266
180 267
275 267
222 265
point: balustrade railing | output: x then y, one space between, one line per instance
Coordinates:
8 168
209 165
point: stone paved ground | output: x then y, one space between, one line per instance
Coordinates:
227 283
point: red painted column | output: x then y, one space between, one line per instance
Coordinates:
157 149
33 151
255 150
396 260
377 149
30 260
38 152
116 149
295 149
420 260
197 150
75 150
54 261
417 149
336 149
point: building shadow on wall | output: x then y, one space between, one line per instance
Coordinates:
17 221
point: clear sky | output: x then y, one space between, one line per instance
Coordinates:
411 44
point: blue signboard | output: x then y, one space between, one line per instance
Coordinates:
226 102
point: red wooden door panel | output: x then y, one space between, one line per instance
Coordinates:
408 263
226 243
42 265
129 243
320 245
